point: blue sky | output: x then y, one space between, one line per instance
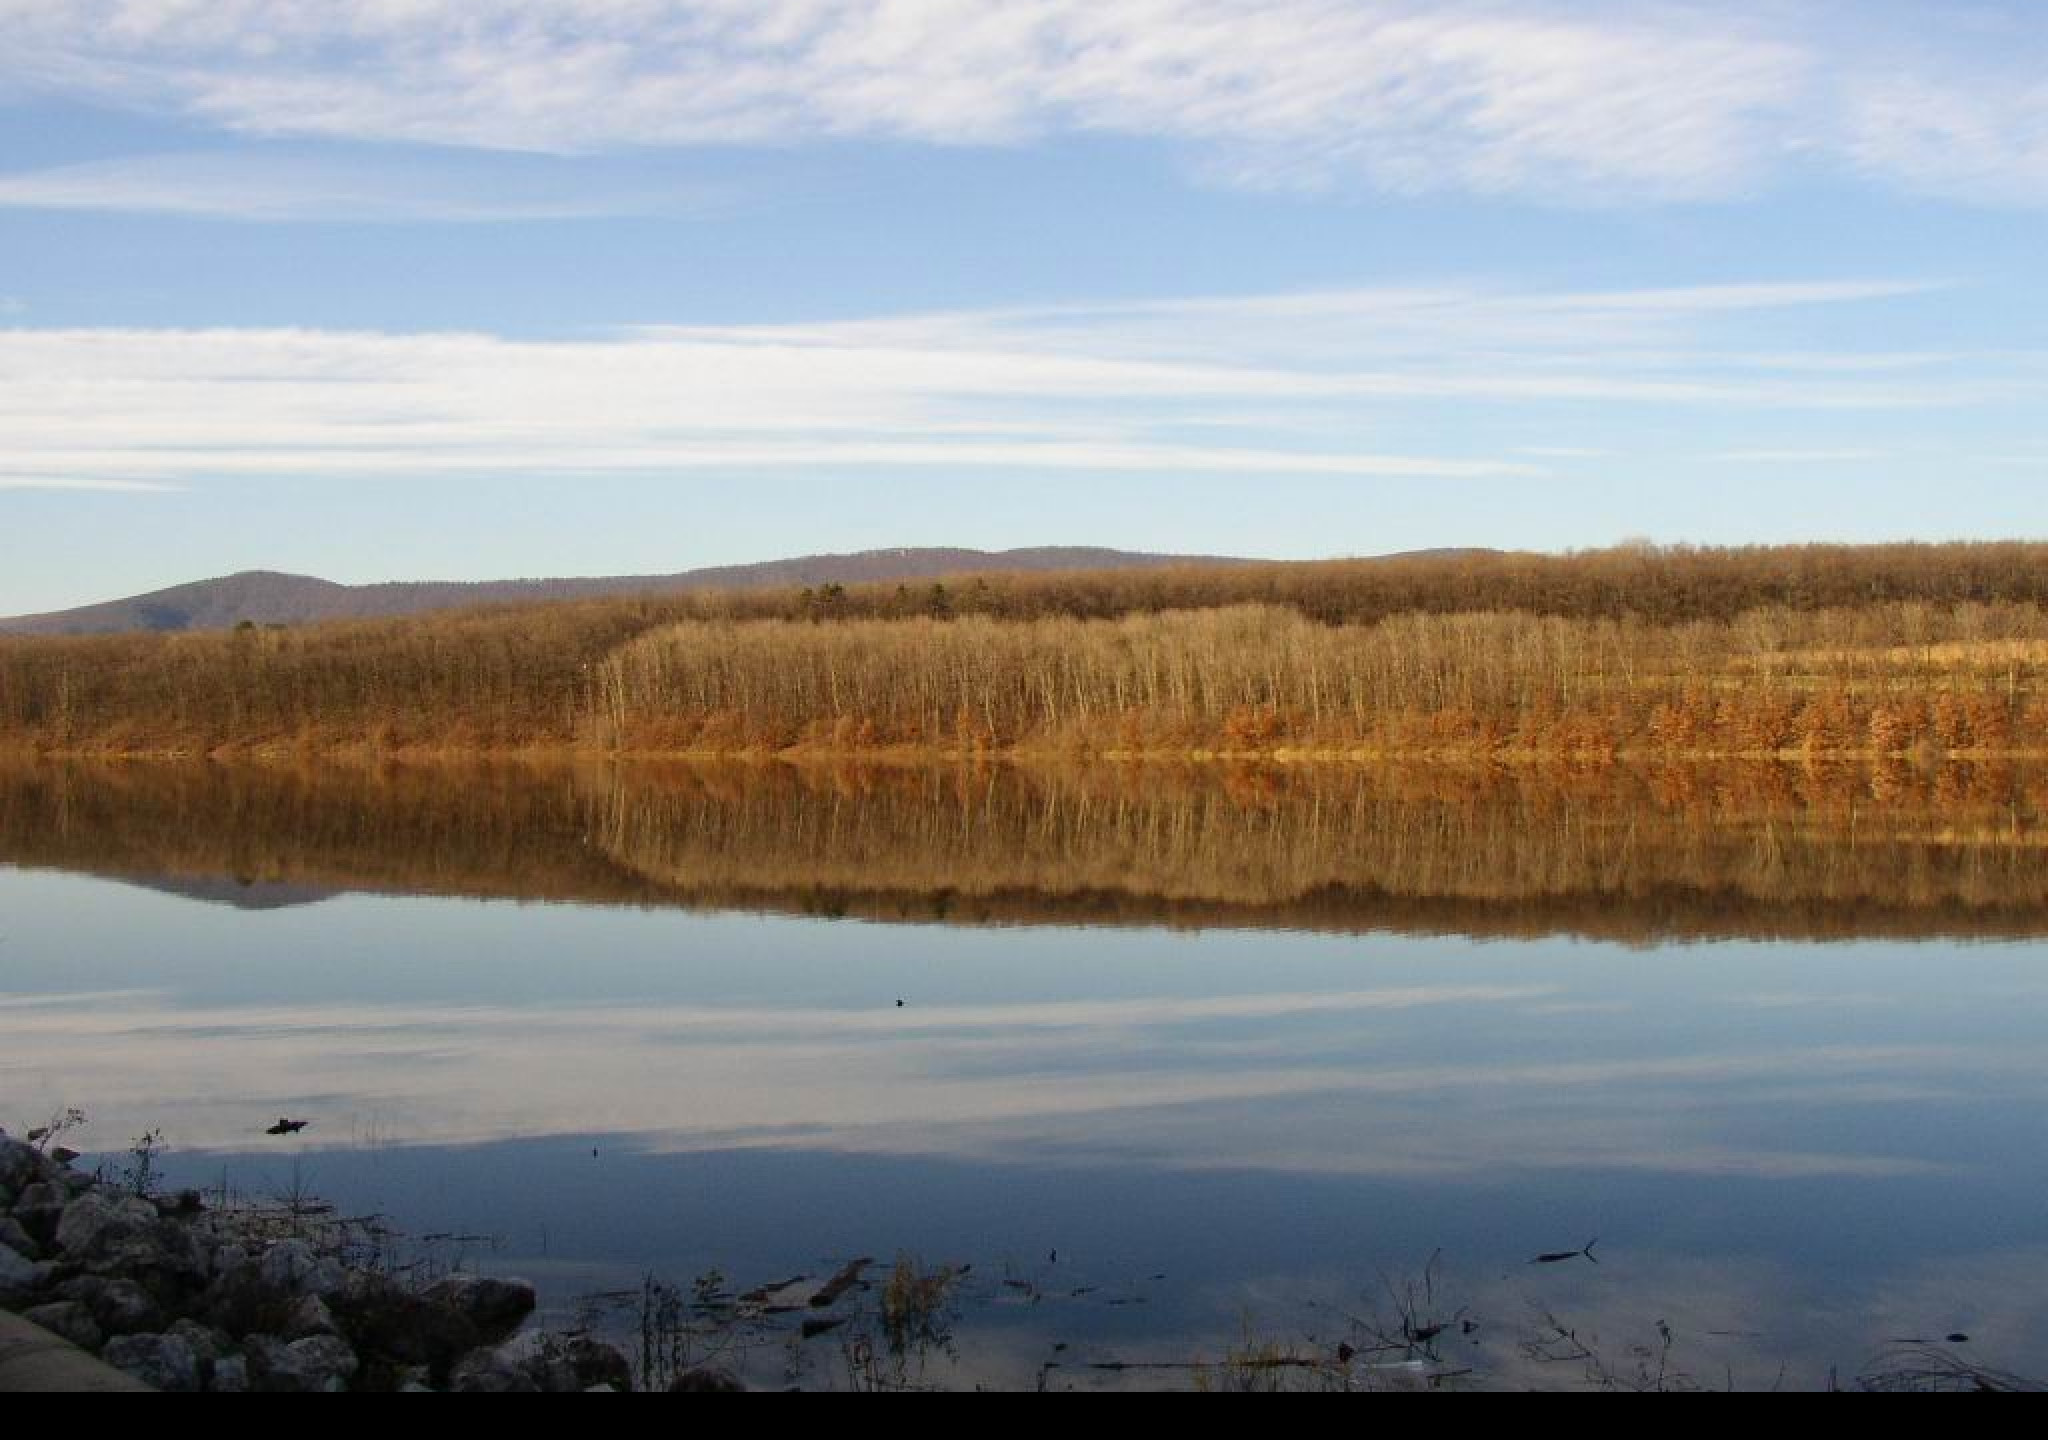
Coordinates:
471 288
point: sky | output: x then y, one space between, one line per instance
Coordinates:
469 289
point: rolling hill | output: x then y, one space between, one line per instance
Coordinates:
267 598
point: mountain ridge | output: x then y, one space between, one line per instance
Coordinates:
271 597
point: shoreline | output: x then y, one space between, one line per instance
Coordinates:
137 1290
1023 757
186 1297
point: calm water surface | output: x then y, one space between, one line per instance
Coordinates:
1238 1050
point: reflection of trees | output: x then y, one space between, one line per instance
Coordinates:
1622 853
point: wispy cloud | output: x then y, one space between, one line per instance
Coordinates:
1797 457
292 186
1404 324
1492 97
1964 128
1601 102
84 485
1275 385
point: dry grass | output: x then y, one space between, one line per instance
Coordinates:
1824 652
1255 680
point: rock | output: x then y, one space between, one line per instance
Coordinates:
119 1307
68 1320
599 1366
38 1209
166 1248
321 1365
391 1326
98 1214
706 1382
22 1281
209 1344
241 1302
214 1349
367 1291
496 1307
558 1365
491 1372
113 1234
161 1362
292 1267
20 1167
185 1205
13 1237
310 1317
238 1302
230 1376
18 1273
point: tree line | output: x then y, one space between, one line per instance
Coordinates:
1820 650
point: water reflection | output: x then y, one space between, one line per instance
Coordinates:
1231 1030
1645 856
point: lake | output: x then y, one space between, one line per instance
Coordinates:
1183 1062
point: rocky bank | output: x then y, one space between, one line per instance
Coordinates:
191 1299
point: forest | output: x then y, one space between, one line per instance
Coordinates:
1811 651
1638 854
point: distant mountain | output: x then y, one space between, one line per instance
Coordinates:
264 598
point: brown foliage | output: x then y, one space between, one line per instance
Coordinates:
1749 652
1262 680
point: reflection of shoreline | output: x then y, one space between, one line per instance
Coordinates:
1628 855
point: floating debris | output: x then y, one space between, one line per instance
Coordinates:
767 1293
840 1285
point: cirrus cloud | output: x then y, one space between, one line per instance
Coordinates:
294 186
1594 102
1252 385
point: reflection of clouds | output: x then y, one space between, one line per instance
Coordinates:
1749 1323
1732 1323
1560 1009
2000 1300
10 1004
1083 1079
886 1023
1736 1322
1818 1001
